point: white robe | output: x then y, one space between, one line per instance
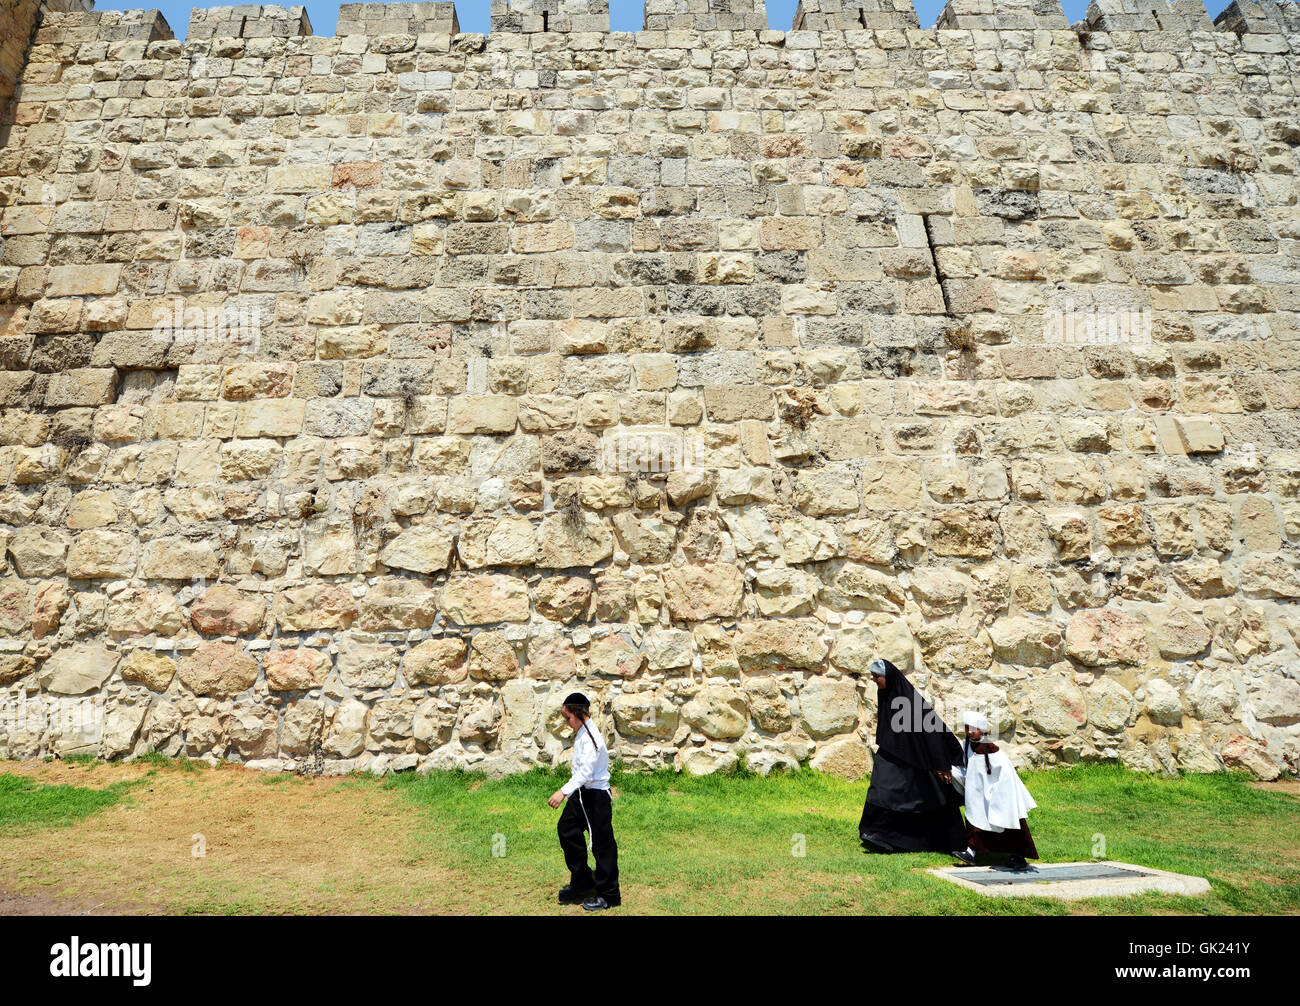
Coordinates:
994 802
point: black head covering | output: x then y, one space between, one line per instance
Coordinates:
577 702
907 726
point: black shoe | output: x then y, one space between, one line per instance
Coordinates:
569 896
1018 864
965 855
596 903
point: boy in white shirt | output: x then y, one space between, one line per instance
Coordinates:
591 811
997 803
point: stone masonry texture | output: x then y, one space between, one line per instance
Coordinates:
361 396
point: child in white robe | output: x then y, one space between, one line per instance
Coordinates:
996 801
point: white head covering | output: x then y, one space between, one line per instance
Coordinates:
977 720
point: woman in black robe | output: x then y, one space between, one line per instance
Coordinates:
911 805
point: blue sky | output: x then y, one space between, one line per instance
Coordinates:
625 15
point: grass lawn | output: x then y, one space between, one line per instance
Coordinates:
121 838
25 803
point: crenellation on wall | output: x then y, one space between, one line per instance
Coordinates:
706 15
855 15
110 26
248 21
19 22
375 19
1003 15
1264 26
1172 18
530 16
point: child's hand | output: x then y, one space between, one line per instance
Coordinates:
557 798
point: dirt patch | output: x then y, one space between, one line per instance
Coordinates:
1288 786
43 904
224 840
86 776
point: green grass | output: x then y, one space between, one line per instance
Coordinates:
26 804
160 760
281 779
727 843
723 844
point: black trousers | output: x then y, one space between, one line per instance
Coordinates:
590 809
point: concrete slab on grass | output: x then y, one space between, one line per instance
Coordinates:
1071 881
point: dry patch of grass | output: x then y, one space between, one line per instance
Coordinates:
270 844
1291 787
82 774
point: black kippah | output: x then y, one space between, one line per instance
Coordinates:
577 699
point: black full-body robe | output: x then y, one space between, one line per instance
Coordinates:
908 808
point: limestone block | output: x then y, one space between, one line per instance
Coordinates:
492 658
77 670
643 715
1109 704
827 707
718 711
778 644
1054 706
347 733
315 606
421 548
1161 702
847 758
695 593
1026 641
435 662
768 707
219 669
482 600
1105 637
99 553
143 612
223 610
367 665
176 558
296 670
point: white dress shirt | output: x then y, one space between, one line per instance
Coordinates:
590 761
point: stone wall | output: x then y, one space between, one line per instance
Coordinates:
18 20
364 395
